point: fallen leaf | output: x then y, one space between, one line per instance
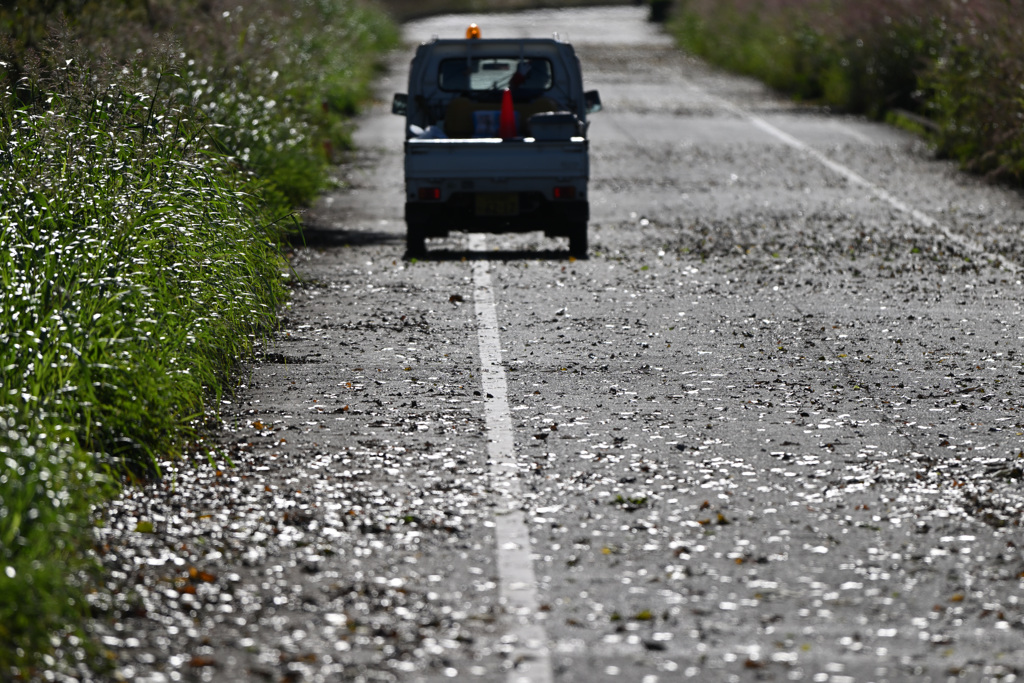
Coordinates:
199 575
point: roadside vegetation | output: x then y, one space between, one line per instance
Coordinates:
151 153
952 69
404 10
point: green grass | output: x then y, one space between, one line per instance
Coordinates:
143 199
136 267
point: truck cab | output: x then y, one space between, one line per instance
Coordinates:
496 139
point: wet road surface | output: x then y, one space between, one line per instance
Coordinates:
771 429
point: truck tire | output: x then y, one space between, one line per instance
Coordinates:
578 240
415 240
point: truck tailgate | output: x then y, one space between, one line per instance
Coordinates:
495 158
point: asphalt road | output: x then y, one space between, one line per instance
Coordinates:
771 429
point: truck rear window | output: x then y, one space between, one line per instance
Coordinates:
480 74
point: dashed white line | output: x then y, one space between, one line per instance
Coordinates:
517 584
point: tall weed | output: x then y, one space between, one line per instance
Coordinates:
136 266
143 187
278 80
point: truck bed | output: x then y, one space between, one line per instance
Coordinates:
494 158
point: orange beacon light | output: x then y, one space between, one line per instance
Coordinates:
472 32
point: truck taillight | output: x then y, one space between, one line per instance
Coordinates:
566 192
431 194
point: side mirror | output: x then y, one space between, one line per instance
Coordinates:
592 100
400 105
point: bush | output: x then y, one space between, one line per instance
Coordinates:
976 90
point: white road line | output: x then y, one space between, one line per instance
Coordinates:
852 176
517 584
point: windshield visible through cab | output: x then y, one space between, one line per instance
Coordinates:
480 74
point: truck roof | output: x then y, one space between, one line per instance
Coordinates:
492 41
493 46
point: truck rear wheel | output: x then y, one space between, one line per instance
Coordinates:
415 240
578 240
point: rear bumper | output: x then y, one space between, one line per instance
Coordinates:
555 218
